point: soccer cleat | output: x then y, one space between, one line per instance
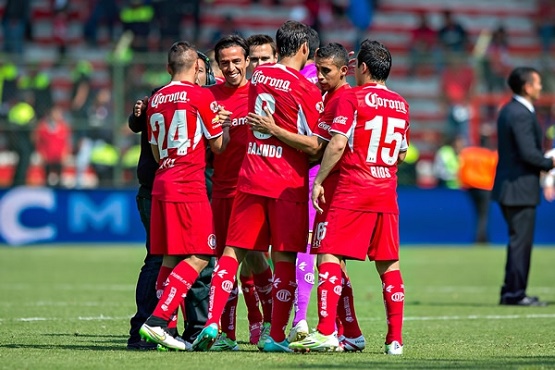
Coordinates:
270 345
351 344
206 338
141 345
264 334
188 346
394 348
254 332
158 334
316 342
223 343
298 332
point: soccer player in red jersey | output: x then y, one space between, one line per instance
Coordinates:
231 53
332 62
369 140
179 115
270 207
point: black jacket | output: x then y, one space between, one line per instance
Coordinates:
521 159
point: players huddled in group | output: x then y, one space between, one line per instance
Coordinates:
268 125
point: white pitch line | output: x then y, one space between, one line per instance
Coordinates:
409 318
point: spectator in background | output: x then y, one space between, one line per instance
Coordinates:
422 44
16 18
60 28
457 82
452 39
103 12
516 187
191 9
446 162
39 84
496 64
21 117
52 139
545 23
168 15
104 155
137 16
476 175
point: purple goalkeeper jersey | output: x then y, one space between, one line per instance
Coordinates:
310 72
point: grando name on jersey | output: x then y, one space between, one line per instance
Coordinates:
265 150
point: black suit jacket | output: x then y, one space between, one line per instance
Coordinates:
521 159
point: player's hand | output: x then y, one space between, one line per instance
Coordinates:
224 116
318 197
263 124
549 193
352 63
140 106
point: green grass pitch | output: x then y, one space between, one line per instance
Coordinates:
68 307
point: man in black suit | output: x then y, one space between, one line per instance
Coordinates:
517 186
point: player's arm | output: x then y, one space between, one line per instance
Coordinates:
266 125
332 155
219 143
155 152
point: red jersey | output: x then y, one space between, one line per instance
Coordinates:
271 168
179 114
336 110
368 167
54 140
227 164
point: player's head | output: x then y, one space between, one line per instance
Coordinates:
232 55
262 50
292 37
182 57
525 81
213 64
313 42
373 63
332 62
205 75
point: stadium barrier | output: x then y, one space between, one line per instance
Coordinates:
37 215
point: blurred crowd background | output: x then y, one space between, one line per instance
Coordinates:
70 72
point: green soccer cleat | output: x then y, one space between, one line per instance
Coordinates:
316 342
264 334
158 334
270 345
223 343
206 338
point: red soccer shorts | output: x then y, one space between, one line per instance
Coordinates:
221 210
258 222
181 228
357 234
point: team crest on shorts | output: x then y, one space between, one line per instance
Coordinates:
212 241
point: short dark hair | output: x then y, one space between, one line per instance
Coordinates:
180 57
261 39
290 36
313 42
519 77
229 41
335 51
377 58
